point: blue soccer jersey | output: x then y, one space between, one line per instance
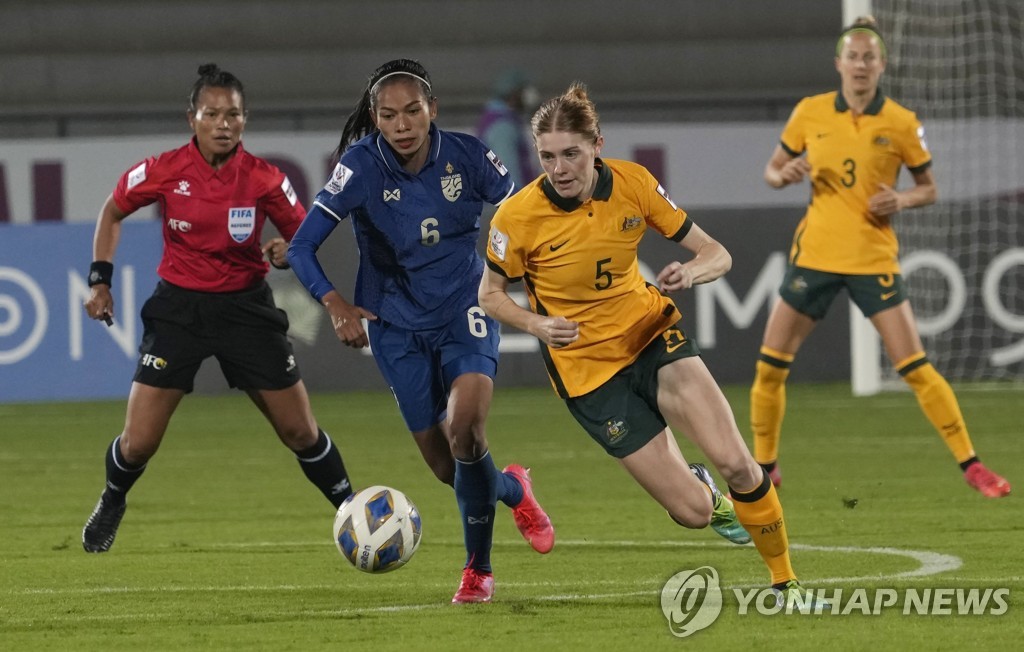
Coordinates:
417 233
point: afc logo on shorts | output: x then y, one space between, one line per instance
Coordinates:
153 361
241 222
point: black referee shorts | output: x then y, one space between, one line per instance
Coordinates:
244 330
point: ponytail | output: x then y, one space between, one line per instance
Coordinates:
360 122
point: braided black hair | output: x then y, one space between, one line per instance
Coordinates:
359 122
210 75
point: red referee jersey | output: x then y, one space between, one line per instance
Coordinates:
213 219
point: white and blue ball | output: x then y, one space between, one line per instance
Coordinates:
377 529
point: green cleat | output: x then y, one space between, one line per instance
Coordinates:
795 598
723 515
725 522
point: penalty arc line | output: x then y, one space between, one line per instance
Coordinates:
930 563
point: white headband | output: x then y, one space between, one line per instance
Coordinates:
400 72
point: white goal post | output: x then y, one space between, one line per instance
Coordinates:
960 67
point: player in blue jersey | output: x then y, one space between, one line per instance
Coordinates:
415 194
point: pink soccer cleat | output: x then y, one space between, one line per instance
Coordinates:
533 523
989 484
475 587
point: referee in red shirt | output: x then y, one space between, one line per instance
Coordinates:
212 299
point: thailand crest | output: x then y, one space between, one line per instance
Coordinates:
451 184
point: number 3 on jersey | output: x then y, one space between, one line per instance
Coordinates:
849 173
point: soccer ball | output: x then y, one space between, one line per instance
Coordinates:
377 529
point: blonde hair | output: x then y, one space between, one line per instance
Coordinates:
862 25
572 112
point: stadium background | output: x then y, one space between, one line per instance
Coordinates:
697 91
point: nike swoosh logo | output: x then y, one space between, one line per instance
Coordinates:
888 295
557 247
669 348
822 135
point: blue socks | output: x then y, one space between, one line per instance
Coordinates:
510 491
476 490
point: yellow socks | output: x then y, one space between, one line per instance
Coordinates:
768 403
760 513
939 404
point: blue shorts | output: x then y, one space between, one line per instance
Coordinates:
420 366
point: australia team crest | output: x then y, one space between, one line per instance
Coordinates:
451 184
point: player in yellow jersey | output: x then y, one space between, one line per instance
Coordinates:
613 344
851 145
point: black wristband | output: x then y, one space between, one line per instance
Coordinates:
101 272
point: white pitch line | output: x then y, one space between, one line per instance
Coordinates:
930 563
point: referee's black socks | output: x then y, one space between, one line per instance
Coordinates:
322 464
120 474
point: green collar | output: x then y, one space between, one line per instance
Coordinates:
602 191
871 109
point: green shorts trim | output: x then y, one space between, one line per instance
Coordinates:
811 292
622 414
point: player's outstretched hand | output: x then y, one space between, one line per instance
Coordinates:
675 276
885 202
556 332
347 321
276 251
794 171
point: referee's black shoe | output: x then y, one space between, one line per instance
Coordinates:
101 528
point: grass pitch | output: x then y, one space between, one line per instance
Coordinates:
225 545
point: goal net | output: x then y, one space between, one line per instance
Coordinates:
959 64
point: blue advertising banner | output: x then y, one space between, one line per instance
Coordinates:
49 348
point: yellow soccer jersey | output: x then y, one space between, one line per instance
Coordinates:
579 261
849 158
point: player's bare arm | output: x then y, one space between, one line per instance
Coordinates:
100 304
496 302
783 169
710 261
888 201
